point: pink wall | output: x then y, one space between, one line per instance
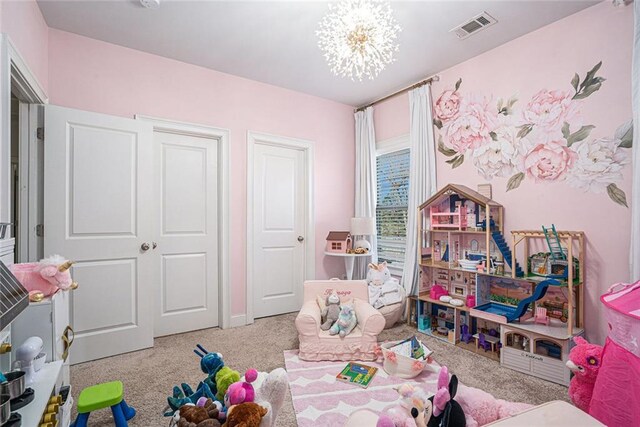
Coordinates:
28 31
548 59
92 75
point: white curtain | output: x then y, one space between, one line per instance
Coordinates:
635 182
365 181
422 176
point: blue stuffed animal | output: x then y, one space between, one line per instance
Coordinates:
187 395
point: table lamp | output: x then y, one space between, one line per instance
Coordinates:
363 226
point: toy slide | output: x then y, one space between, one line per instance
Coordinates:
541 290
498 238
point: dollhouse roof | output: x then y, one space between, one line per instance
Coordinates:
339 235
462 191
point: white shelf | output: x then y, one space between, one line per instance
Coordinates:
344 254
43 388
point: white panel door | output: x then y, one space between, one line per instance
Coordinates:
186 203
98 212
279 218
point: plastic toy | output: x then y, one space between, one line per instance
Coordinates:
541 316
585 360
43 279
437 291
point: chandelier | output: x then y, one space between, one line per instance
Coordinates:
358 37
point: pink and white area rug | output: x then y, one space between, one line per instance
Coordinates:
319 399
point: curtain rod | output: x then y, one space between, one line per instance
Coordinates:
413 86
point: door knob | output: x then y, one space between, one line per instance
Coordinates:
300 239
144 247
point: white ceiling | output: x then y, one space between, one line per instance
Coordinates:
275 42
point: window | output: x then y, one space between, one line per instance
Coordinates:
391 209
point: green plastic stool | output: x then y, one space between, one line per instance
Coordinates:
101 396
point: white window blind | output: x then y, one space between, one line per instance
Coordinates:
391 209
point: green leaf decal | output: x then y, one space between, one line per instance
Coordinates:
515 181
590 75
575 81
458 83
524 130
437 123
565 130
493 136
617 195
456 161
587 91
626 139
444 150
579 135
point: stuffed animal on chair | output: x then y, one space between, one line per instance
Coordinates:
346 321
44 278
584 361
331 312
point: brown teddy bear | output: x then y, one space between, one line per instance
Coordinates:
247 414
199 416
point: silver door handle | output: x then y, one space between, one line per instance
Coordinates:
300 239
145 247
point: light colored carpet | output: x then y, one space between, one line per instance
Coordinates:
149 375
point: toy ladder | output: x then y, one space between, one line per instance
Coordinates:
554 242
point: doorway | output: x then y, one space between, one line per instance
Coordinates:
280 223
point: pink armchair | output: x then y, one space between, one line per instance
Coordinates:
316 344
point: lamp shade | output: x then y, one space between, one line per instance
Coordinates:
363 226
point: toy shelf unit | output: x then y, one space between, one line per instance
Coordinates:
520 301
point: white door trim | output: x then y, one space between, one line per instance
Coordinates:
307 147
222 136
14 73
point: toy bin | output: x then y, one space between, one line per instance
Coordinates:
401 366
616 393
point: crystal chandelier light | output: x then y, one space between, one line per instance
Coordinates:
358 37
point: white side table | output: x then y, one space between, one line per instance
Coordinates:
348 261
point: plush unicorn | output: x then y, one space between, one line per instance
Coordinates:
383 289
584 361
378 274
43 279
346 321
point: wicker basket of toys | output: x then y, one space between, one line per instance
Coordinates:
405 358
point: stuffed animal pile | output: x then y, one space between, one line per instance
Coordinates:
338 319
383 289
225 399
453 405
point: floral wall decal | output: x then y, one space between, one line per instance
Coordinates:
544 140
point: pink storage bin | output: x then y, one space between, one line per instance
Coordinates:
616 393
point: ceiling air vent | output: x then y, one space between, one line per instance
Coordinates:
474 25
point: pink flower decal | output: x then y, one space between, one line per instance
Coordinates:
447 106
472 127
549 161
550 109
417 366
391 357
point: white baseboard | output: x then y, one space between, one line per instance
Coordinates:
238 320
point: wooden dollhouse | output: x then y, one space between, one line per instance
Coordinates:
338 242
475 294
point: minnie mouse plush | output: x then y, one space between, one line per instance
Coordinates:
446 411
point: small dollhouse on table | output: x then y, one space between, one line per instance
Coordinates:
475 294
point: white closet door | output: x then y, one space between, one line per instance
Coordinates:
98 212
186 203
279 218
